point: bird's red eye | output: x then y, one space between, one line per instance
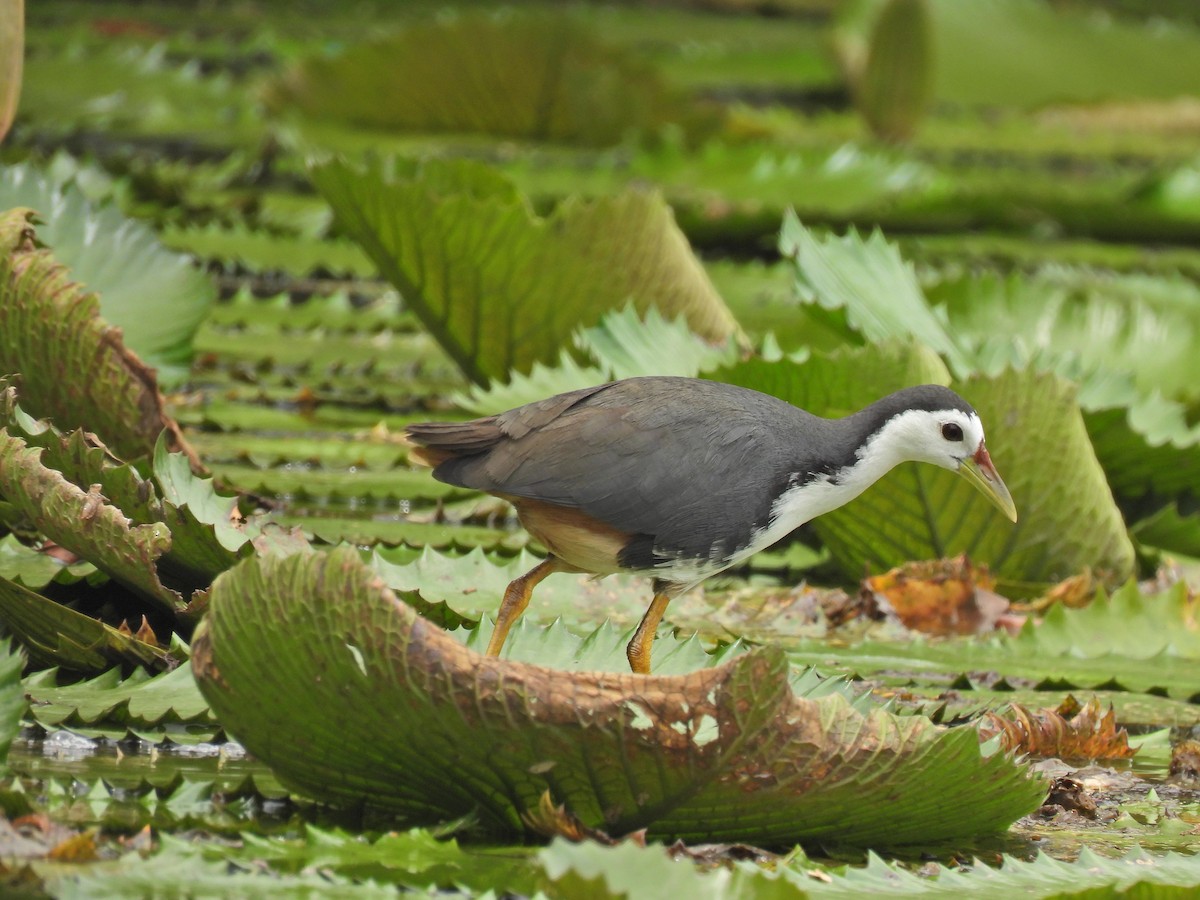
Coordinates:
952 432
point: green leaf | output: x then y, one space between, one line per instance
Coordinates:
567 374
539 76
34 569
726 753
1140 643
454 590
897 81
869 285
297 483
839 383
262 251
1128 340
554 646
636 872
1066 55
140 701
85 523
623 345
74 367
12 696
416 858
1147 450
204 538
187 492
178 870
972 696
630 345
167 789
336 530
1089 325
1168 530
500 288
135 89
472 585
1126 624
156 297
55 635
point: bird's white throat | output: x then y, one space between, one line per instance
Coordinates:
904 438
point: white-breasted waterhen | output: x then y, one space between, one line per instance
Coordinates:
679 478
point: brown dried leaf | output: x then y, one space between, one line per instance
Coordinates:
146 634
31 837
1090 734
75 849
553 821
1074 592
1185 761
947 596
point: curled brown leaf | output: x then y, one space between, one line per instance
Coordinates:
945 596
1091 733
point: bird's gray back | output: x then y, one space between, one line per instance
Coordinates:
690 467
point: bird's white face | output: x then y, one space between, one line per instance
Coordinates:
952 439
943 437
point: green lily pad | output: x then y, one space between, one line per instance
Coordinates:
85 523
55 635
12 697
1128 641
636 872
540 76
623 345
34 569
74 367
204 538
140 701
459 242
727 753
157 298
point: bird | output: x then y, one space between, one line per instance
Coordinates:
681 478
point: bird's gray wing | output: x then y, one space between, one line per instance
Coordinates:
693 466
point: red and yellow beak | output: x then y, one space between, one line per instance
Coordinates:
979 470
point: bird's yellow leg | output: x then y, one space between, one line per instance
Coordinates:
516 598
638 651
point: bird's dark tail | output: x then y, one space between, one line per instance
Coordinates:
432 443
